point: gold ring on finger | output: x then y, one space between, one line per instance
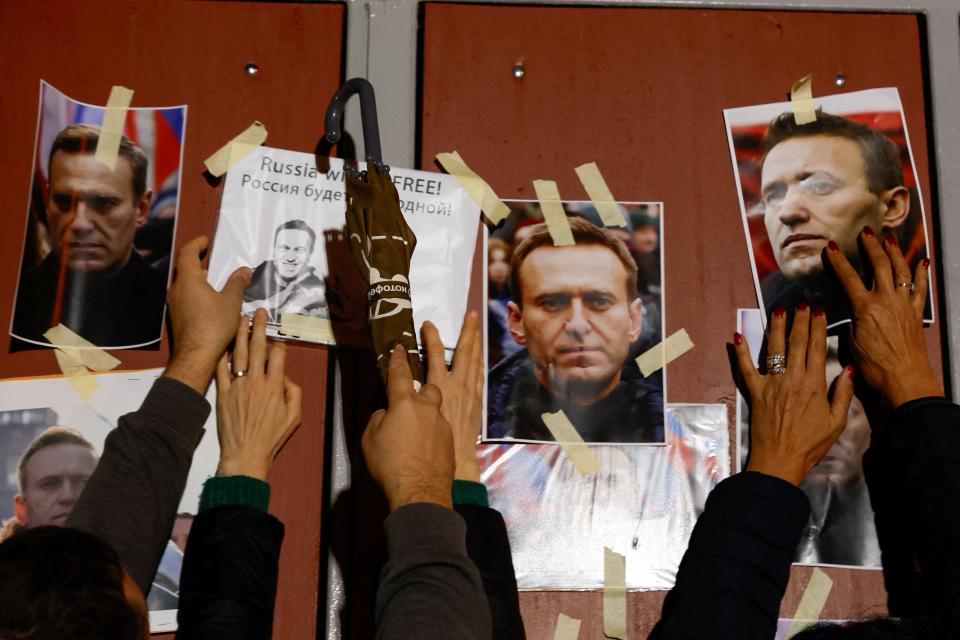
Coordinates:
907 285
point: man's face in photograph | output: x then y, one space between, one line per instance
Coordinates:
54 477
577 320
92 213
815 189
291 251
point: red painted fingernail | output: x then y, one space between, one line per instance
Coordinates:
891 240
818 312
779 312
867 232
851 372
737 338
833 246
926 263
803 306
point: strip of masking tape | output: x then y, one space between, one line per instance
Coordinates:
654 358
599 193
299 326
567 628
237 149
76 374
614 594
812 602
553 213
475 186
571 442
79 349
801 99
108 144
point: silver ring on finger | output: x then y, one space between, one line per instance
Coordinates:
907 285
776 364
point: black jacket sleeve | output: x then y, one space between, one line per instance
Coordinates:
489 548
429 588
229 580
132 497
925 443
737 565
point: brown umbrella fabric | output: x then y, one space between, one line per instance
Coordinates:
383 245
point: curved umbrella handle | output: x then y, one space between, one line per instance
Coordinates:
333 123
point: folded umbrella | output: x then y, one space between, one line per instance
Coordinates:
380 239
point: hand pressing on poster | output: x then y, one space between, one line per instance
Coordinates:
793 421
409 446
203 320
462 390
887 332
258 410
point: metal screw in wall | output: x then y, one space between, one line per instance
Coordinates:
840 80
518 69
251 69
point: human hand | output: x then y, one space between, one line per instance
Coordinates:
409 447
258 411
886 336
462 391
792 422
202 319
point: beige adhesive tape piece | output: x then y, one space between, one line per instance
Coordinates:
299 326
614 595
811 603
654 358
108 144
801 99
475 186
571 442
553 213
77 375
567 628
599 192
236 150
83 351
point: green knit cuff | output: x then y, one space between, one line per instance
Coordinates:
467 492
242 491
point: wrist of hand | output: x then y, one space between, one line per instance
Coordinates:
402 496
467 471
195 372
243 466
903 389
786 469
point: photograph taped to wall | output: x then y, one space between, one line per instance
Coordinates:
643 502
96 251
801 186
285 219
841 530
67 437
565 324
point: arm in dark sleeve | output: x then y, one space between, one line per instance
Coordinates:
132 497
925 443
429 587
737 565
229 579
489 548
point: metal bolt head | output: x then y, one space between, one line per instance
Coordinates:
251 69
840 80
518 70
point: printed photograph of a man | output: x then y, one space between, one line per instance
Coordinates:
576 316
81 263
287 282
804 186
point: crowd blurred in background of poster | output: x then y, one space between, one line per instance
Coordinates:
97 243
565 324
